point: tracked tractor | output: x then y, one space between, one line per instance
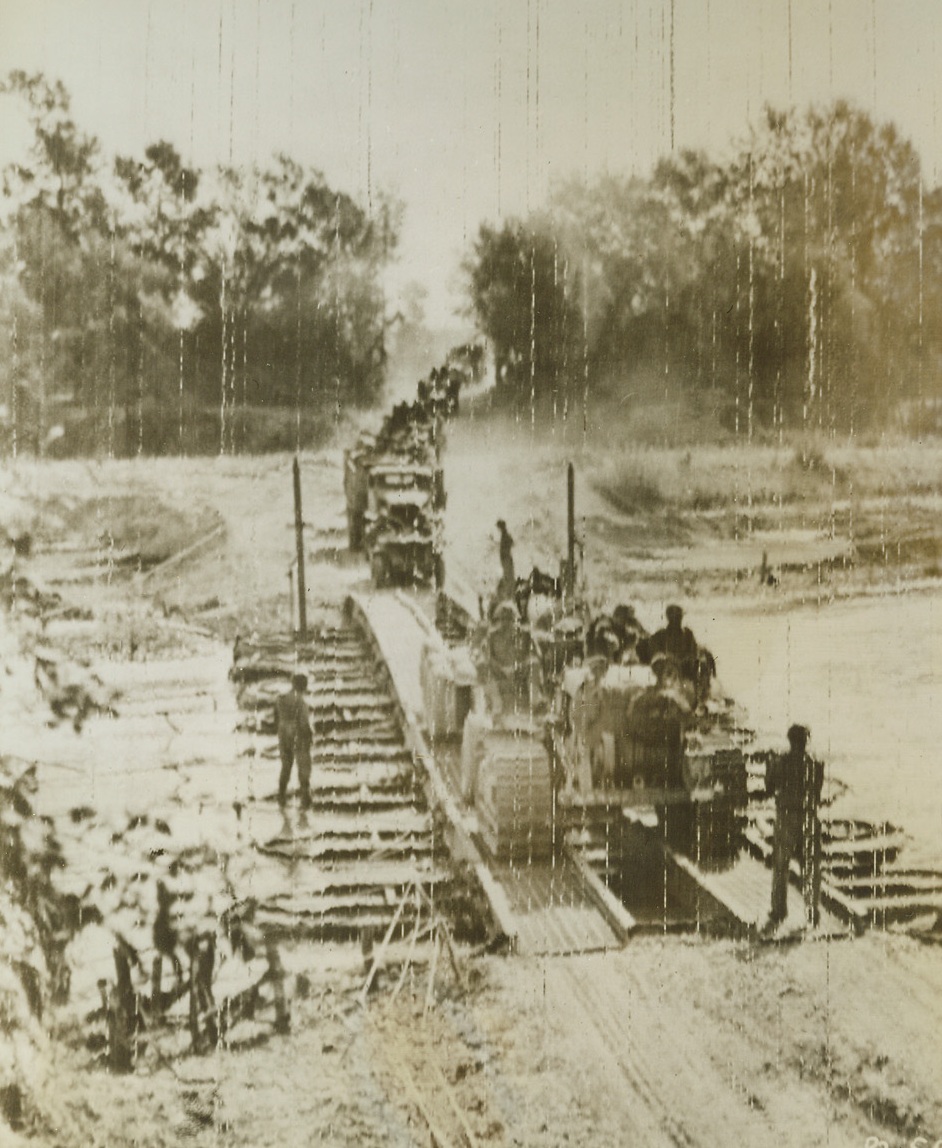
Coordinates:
566 733
636 738
505 665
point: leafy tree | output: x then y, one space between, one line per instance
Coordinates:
139 290
524 293
803 279
60 174
649 247
54 211
291 291
829 204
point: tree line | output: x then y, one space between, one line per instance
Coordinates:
157 307
799 283
148 306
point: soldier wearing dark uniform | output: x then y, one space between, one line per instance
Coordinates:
508 578
629 631
674 640
795 778
294 739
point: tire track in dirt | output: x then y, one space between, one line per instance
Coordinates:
653 1122
681 1093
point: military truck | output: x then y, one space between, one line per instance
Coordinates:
402 524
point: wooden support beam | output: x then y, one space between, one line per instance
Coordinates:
299 543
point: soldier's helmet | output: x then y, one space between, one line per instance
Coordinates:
299 681
798 736
505 613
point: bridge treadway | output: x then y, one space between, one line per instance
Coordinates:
544 906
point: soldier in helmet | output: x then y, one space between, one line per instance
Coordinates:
629 630
294 739
674 640
795 779
508 578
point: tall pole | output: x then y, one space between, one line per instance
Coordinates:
299 542
571 531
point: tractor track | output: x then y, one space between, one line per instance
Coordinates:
652 1121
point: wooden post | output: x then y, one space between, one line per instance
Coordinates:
299 541
570 531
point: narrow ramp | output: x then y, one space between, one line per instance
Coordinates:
552 911
744 892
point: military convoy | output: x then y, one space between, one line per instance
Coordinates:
564 719
394 483
603 763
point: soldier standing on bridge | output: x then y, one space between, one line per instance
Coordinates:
294 739
508 579
796 779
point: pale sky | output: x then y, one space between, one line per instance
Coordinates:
467 109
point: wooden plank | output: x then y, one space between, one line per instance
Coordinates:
913 882
928 902
616 915
629 798
499 905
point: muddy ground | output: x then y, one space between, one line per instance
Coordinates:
674 1040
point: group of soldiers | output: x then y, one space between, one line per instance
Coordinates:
438 394
795 779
